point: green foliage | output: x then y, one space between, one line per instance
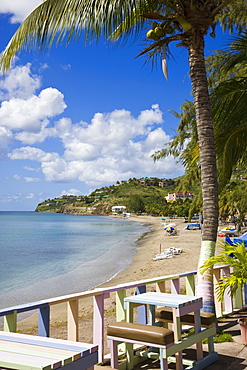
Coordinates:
220 337
233 202
136 197
135 204
228 85
235 256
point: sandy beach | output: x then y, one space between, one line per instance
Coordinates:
143 266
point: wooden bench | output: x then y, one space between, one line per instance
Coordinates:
28 352
156 337
145 335
164 314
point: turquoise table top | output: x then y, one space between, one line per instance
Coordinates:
163 299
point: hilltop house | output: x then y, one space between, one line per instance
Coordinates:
150 181
172 197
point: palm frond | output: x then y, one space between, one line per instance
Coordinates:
235 256
62 20
230 124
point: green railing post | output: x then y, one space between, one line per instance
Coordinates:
10 322
120 311
190 284
239 298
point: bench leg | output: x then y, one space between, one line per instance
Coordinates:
163 361
113 345
130 356
114 353
211 344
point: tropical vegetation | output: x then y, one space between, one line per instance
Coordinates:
227 77
186 22
137 198
234 255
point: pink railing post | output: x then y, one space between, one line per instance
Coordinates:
98 323
175 286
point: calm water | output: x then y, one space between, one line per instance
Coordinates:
47 255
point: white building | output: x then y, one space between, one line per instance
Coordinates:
118 209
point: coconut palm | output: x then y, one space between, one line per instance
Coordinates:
183 21
228 85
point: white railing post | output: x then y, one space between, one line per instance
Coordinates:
228 305
218 304
72 315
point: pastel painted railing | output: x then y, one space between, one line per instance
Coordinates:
98 297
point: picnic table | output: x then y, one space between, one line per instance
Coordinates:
29 352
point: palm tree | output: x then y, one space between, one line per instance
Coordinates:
183 21
229 105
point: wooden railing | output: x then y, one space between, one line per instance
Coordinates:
99 295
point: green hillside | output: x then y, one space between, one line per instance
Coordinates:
137 195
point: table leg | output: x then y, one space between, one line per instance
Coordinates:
151 314
129 346
177 337
129 312
199 352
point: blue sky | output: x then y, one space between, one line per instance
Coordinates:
80 117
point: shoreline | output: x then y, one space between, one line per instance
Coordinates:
142 266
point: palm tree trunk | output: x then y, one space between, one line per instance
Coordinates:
208 166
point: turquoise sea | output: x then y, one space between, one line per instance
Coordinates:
46 255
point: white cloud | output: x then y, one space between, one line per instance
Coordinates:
30 114
32 179
66 67
45 132
33 154
6 137
18 9
70 192
112 146
28 168
25 116
19 83
30 196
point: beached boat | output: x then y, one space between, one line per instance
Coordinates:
228 231
193 226
168 253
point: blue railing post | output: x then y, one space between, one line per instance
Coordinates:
44 321
142 310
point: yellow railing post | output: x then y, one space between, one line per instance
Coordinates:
120 311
